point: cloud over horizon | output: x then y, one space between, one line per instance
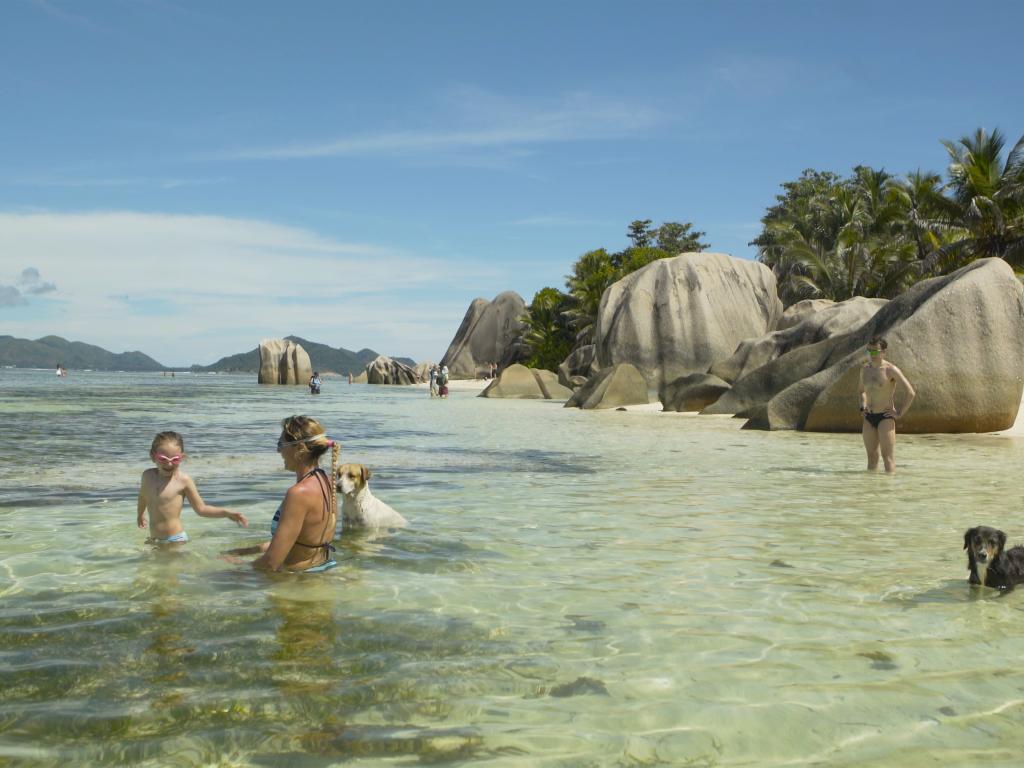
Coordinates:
164 283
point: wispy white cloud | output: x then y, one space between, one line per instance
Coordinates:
116 181
56 12
192 288
476 119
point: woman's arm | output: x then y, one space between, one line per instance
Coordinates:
293 515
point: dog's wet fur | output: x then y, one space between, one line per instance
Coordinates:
990 563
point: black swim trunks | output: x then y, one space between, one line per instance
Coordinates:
874 419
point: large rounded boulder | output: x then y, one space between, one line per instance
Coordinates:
678 316
811 326
959 339
491 332
282 361
579 364
613 387
692 393
517 382
385 370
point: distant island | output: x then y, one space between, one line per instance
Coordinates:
51 351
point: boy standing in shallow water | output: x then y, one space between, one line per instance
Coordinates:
164 489
878 380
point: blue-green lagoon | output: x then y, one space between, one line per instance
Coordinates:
575 589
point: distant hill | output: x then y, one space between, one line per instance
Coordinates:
51 351
323 358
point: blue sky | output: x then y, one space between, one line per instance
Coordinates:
187 178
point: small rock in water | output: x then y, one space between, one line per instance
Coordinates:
580 687
948 711
780 564
6 534
583 624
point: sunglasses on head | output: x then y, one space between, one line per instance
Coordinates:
282 443
176 459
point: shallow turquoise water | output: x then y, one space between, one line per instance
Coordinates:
575 589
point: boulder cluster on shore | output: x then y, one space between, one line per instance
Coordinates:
707 332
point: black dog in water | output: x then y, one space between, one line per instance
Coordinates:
989 563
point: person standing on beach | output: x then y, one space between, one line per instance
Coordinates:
442 382
433 381
878 381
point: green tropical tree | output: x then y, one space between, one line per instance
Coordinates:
984 210
592 273
840 238
640 233
675 238
549 333
920 196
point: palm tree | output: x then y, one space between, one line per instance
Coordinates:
849 244
592 273
548 334
985 205
920 196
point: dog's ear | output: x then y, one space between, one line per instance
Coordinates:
366 475
1002 540
967 536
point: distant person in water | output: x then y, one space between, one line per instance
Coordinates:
350 377
878 382
315 382
164 490
303 526
433 380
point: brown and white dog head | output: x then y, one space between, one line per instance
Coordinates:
983 545
359 507
352 478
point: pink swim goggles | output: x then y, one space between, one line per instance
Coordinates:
176 459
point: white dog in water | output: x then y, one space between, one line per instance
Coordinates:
359 507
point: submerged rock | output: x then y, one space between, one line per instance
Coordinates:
581 686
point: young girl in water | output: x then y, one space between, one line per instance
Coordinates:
164 490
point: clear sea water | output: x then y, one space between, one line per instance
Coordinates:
575 589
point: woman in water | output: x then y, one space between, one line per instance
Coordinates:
303 526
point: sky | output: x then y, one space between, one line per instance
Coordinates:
185 179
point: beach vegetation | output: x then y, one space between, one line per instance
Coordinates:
874 234
549 334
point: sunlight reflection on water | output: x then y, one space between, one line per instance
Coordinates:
574 589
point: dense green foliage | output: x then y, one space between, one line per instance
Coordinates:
873 234
549 335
